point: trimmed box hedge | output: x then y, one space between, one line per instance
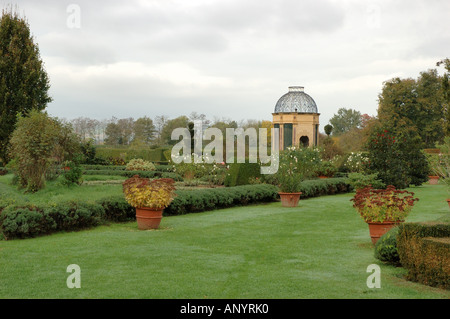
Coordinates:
144 174
189 201
22 221
18 221
326 186
424 250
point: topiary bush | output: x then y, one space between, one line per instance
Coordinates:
241 173
424 251
386 248
139 164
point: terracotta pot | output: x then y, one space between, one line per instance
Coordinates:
379 229
148 218
289 199
448 202
433 180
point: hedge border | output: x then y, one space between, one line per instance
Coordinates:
424 254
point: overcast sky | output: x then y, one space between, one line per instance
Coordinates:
229 58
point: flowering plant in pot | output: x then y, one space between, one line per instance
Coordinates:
149 197
290 177
383 209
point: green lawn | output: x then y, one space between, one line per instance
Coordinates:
321 249
94 187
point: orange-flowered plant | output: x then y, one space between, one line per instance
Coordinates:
379 205
143 192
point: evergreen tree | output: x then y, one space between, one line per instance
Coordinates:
24 84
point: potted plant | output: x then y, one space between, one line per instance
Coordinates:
382 209
290 185
289 178
149 197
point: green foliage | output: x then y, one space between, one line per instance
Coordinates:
328 129
89 152
240 174
396 154
117 209
360 180
354 162
72 173
320 187
386 248
32 146
416 101
139 164
146 174
188 201
122 155
31 221
423 250
345 120
24 84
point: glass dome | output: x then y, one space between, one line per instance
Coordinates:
296 101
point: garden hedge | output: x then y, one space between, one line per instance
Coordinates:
18 221
144 174
424 250
240 174
189 201
91 167
326 186
110 153
21 221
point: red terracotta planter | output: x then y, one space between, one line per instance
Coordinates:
148 218
433 180
379 229
289 199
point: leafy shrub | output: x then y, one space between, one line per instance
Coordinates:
423 250
139 164
360 181
320 187
31 221
146 174
380 205
74 215
72 174
386 248
120 155
397 156
117 209
240 173
190 201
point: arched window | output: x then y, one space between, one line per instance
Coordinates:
304 141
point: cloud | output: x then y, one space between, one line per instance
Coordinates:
231 57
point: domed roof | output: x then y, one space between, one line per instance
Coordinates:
296 101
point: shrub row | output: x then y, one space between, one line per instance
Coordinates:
424 249
24 221
126 154
160 168
327 186
189 201
31 221
145 174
